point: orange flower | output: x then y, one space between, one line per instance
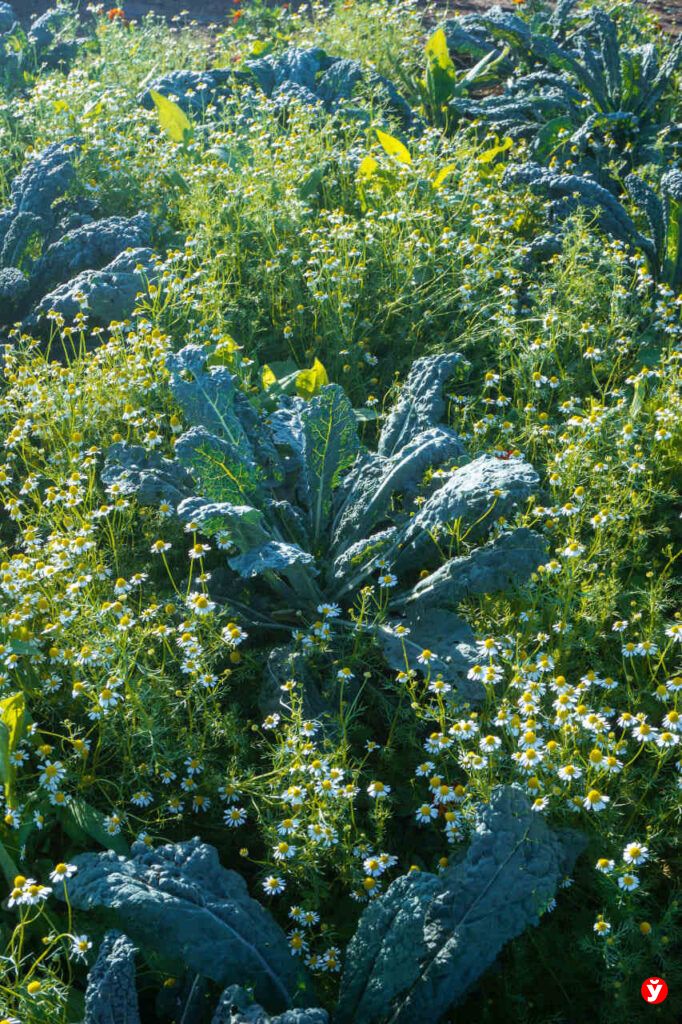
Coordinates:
236 15
116 12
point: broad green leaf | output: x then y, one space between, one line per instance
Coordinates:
309 382
484 69
550 136
393 147
172 118
440 71
93 110
82 822
442 176
75 1005
637 399
310 185
7 865
488 155
261 47
175 179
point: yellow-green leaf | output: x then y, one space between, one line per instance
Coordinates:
394 147
367 168
92 111
172 118
225 350
442 175
309 382
267 378
60 105
14 721
488 155
261 47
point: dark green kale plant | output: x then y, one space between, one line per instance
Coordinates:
588 98
417 950
310 516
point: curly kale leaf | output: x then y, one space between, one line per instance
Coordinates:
505 562
473 497
273 556
110 996
308 513
236 1007
323 439
571 189
375 479
178 901
421 403
420 946
131 469
441 631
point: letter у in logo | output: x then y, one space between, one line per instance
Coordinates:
654 990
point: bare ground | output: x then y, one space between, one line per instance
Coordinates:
218 11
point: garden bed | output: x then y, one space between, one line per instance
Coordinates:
340 434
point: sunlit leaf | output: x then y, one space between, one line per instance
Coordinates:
267 378
442 175
440 71
437 51
394 147
225 350
172 118
488 155
14 721
367 168
309 382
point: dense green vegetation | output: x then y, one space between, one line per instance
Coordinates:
160 681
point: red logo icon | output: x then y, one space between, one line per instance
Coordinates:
654 990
